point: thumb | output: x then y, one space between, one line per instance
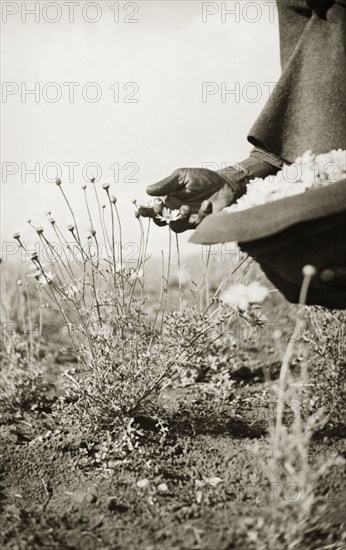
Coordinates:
204 211
168 185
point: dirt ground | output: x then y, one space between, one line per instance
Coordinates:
202 488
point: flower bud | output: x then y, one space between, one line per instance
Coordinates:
113 199
106 186
58 181
39 230
309 271
16 236
70 227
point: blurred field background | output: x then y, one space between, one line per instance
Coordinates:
169 53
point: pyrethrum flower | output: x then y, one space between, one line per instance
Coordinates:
42 277
71 292
307 172
136 274
243 295
168 215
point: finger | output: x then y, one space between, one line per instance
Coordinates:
146 211
335 276
157 206
205 210
168 185
185 212
159 222
180 226
149 212
190 220
183 223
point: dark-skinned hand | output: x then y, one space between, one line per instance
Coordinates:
195 192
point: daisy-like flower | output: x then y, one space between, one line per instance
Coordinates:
136 274
43 278
243 295
307 172
168 215
72 291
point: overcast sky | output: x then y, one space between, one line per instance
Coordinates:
148 76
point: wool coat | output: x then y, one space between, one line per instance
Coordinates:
307 109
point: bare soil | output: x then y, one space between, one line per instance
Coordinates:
200 489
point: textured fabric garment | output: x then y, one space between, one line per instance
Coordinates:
320 243
307 109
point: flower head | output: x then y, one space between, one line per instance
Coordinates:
309 270
58 181
71 292
43 278
168 215
243 295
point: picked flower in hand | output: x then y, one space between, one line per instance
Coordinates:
168 215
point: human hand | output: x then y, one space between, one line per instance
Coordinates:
193 193
196 192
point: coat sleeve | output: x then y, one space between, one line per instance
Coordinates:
306 110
